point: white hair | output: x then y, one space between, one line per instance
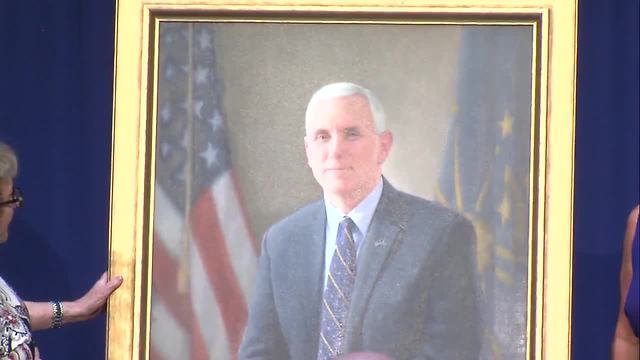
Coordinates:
341 89
8 163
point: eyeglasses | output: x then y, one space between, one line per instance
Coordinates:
16 199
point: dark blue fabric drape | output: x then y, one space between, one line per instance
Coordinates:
56 59
606 168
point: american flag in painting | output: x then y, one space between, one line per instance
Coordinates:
204 254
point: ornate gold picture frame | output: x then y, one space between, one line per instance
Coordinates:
208 152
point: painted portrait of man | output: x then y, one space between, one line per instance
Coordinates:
324 189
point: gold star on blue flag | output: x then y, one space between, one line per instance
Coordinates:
485 173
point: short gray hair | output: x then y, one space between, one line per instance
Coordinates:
340 89
8 162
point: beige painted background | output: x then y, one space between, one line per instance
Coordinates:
269 71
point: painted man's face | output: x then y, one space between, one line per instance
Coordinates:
343 149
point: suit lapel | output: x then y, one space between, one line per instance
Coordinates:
382 237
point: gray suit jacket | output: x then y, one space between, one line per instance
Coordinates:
416 294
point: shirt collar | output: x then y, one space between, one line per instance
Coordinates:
361 214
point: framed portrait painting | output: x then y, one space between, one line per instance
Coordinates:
210 149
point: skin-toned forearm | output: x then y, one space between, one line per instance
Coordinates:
625 343
41 314
625 348
84 308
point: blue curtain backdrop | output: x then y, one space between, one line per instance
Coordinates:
606 168
56 59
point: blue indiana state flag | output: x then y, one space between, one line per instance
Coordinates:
485 173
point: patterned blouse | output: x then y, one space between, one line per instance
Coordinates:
15 329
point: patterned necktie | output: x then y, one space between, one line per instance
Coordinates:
336 299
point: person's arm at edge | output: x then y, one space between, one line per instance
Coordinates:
625 343
84 308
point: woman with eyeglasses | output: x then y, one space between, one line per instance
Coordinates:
17 317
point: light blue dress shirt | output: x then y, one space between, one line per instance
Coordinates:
361 216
